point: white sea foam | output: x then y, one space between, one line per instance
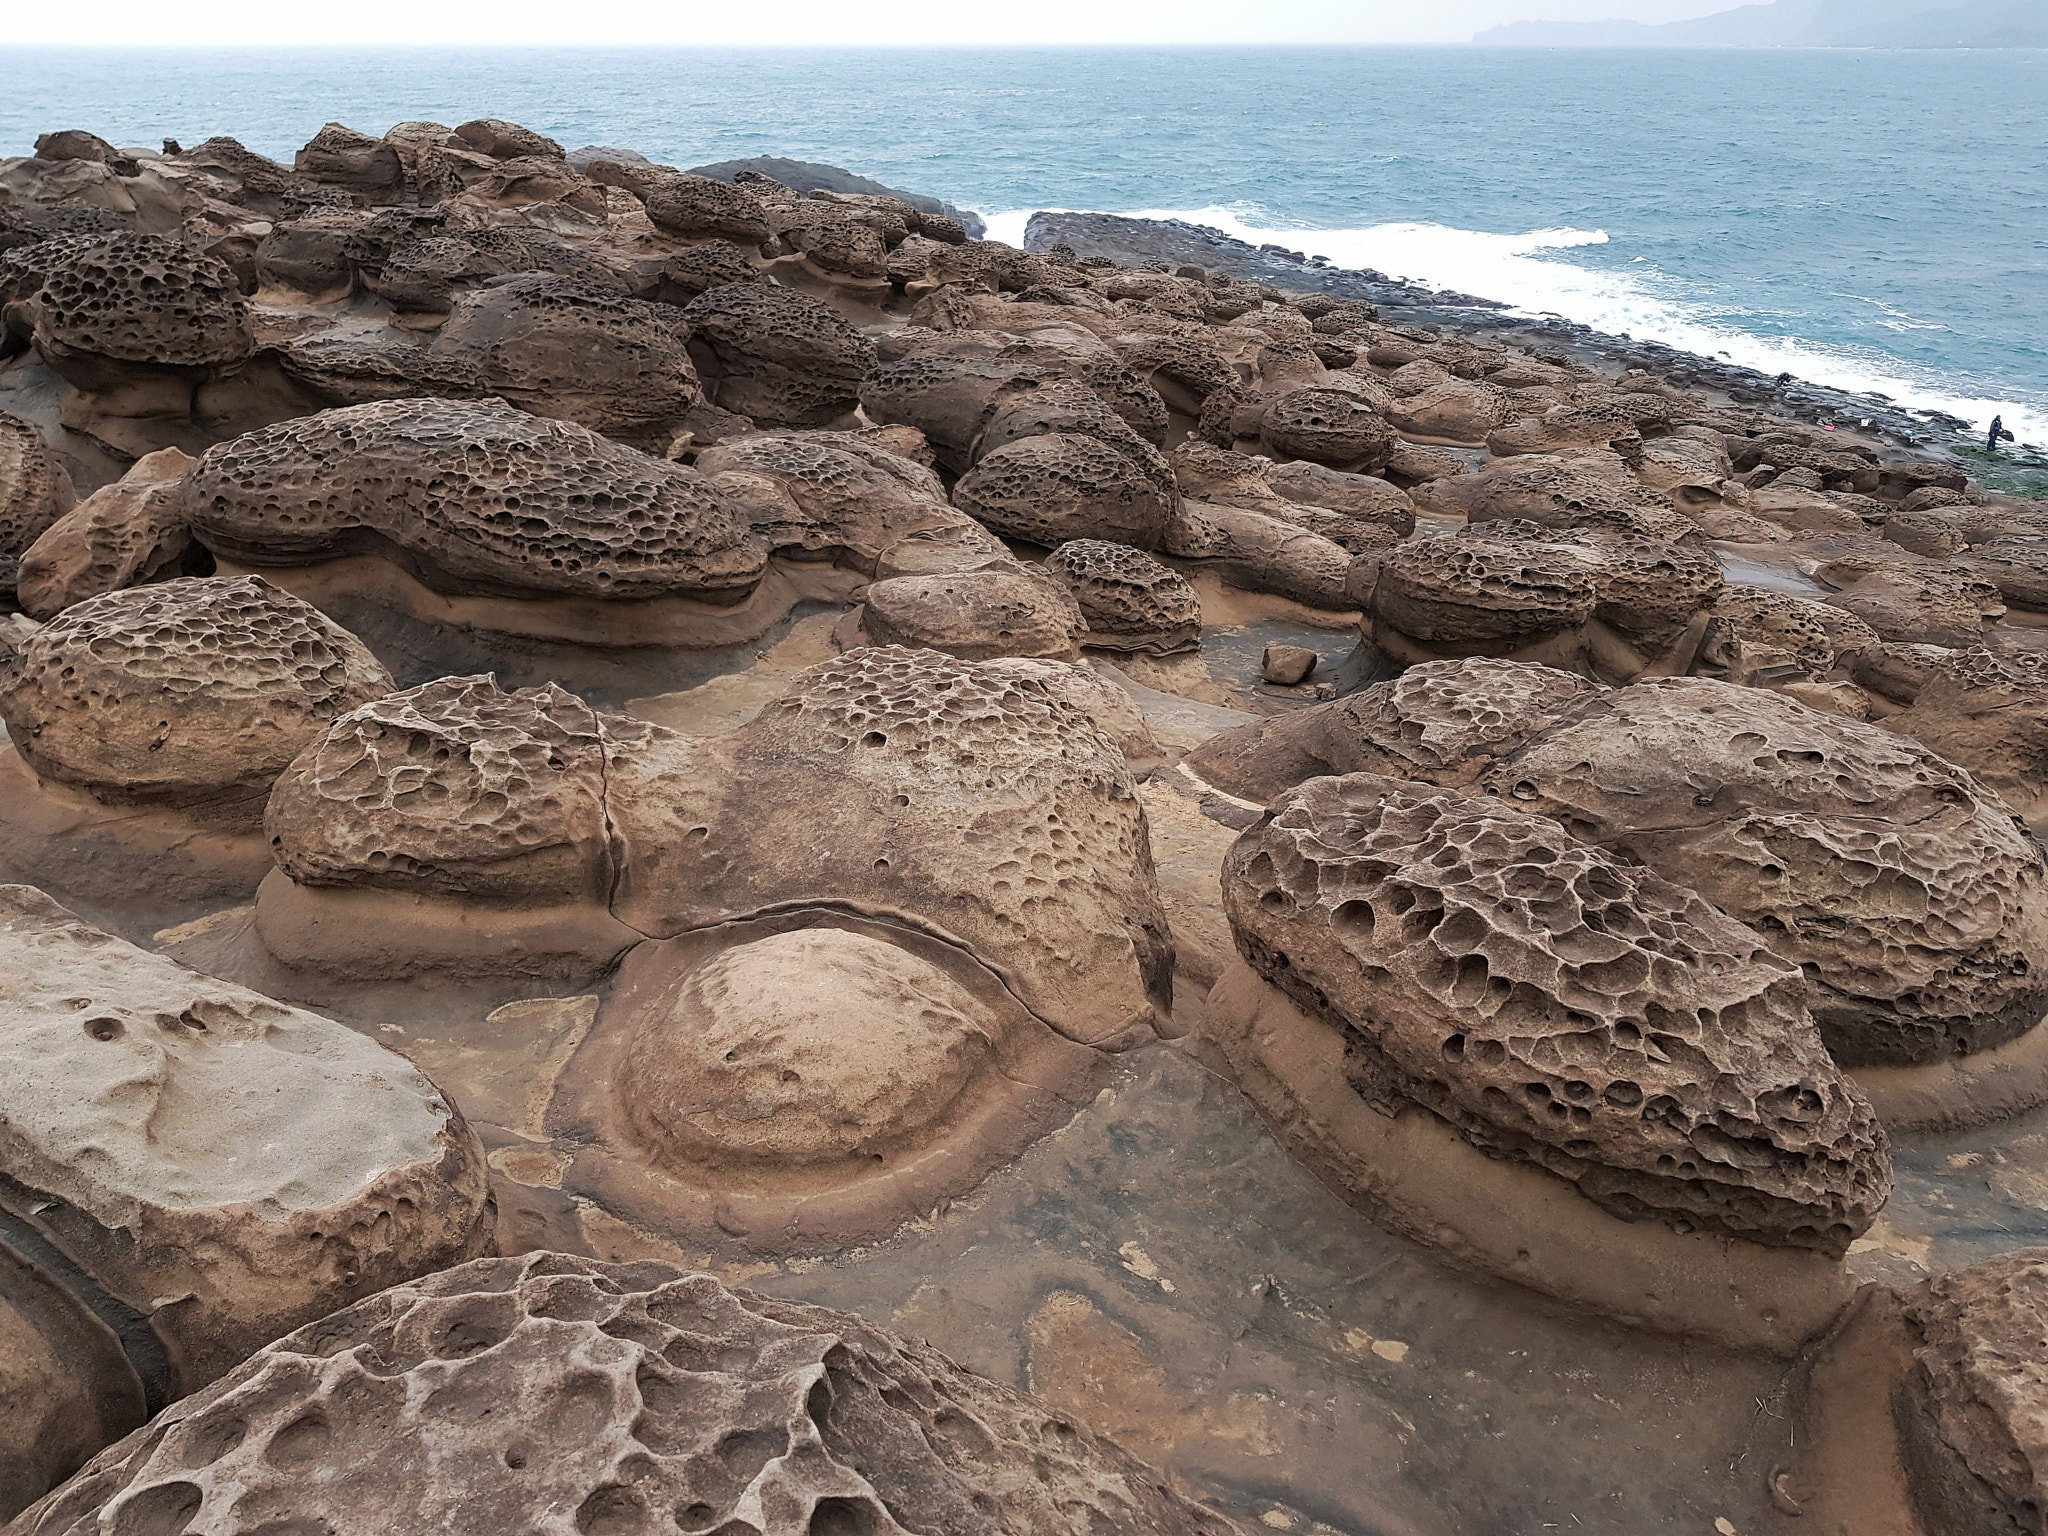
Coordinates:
1524 271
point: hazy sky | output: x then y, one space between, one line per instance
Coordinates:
816 22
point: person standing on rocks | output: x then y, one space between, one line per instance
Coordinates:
1997 431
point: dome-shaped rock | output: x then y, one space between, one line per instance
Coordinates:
1132 601
780 357
1913 900
1557 1006
197 691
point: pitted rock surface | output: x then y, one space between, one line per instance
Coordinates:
427 273
783 358
485 496
189 692
710 265
1365 498
1969 1412
1984 710
1442 722
700 208
337 371
1059 486
838 493
103 302
1131 601
122 534
1561 493
558 347
1481 588
1558 1007
1818 635
226 1165
568 1396
455 786
976 801
1913 899
1326 426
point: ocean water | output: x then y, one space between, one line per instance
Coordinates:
1877 221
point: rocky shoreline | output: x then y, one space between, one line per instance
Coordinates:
681 852
1130 240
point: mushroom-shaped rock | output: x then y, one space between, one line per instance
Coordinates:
1483 591
1442 722
560 348
1132 602
1326 426
623 1397
191 692
1557 1006
1059 486
106 309
1912 898
1968 1412
479 495
783 358
976 615
892 753
204 1168
838 494
34 492
700 208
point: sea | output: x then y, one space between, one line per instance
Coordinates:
1875 221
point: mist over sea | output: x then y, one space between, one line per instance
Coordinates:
1877 221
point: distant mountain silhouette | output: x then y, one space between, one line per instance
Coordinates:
1807 24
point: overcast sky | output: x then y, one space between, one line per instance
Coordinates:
815 22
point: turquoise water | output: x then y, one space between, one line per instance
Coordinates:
1873 220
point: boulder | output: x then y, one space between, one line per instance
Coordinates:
481 497
976 615
1968 1411
780 357
339 156
1443 723
1912 898
105 311
1559 1007
622 1397
198 1169
1326 426
1132 602
838 495
426 273
560 348
1984 710
1055 487
121 535
195 693
1362 498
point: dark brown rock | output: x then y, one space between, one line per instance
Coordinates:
783 358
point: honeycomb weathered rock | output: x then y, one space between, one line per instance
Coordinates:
455 786
976 615
1055 487
124 533
1326 426
564 1395
1442 722
1559 1007
195 692
1915 902
108 305
841 494
1132 602
479 495
34 492
781 357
